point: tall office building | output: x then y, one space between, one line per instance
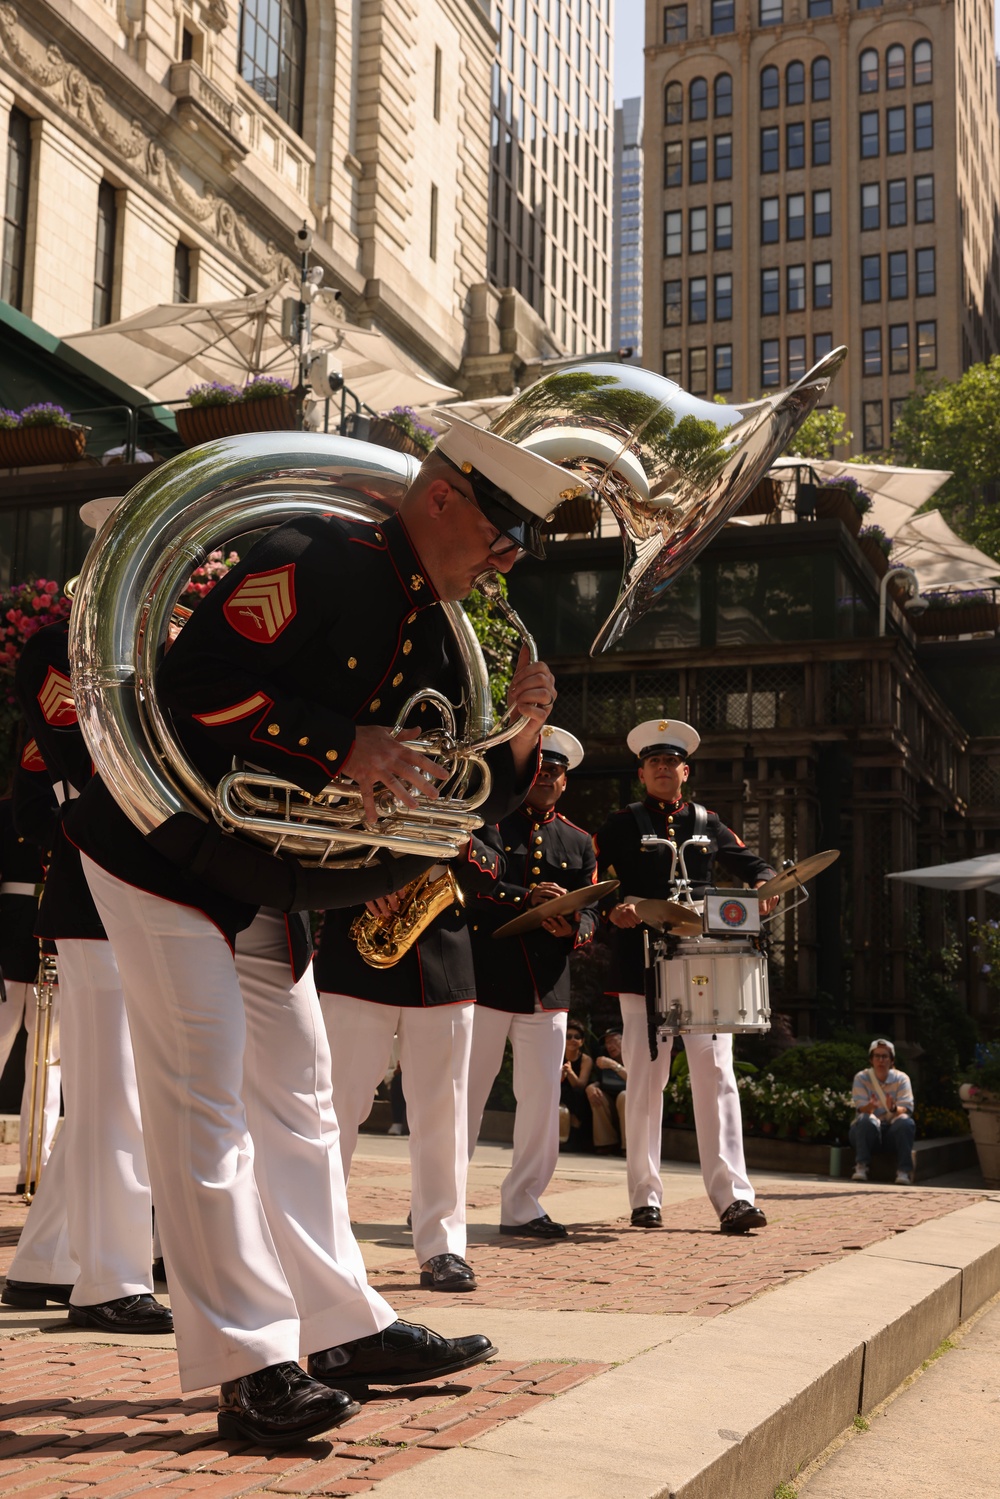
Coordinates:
626 289
821 172
550 176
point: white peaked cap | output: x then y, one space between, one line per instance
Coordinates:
566 444
530 480
665 736
95 512
560 744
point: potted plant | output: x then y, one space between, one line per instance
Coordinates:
401 429
843 499
265 404
968 611
41 433
24 609
980 1098
877 547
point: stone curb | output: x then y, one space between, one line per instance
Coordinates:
733 1406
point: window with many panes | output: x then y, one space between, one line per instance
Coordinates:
871 351
770 221
822 212
672 364
104 258
770 158
925 271
923 200
871 420
673 303
723 226
899 348
673 164
869 133
871 211
698 230
795 218
698 159
795 146
923 127
795 83
723 17
868 71
927 346
895 198
895 131
723 298
673 230
675 23
821 143
723 158
698 371
895 67
723 367
770 88
820 79
871 278
796 357
723 95
698 99
822 283
923 62
770 291
272 49
698 299
770 362
795 288
673 104
15 217
899 280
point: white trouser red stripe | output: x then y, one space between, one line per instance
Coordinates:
538 1043
717 1118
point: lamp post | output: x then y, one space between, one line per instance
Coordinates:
915 601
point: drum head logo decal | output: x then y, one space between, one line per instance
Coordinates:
733 913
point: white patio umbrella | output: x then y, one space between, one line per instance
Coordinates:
966 874
168 348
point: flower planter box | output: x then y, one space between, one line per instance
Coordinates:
24 447
836 504
875 555
197 424
983 1110
387 435
963 619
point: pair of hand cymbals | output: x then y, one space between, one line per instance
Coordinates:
559 905
797 874
675 914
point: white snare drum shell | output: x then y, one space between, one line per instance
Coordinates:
713 986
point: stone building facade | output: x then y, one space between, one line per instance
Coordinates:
821 172
626 289
159 150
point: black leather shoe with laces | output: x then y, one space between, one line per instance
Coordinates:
740 1217
280 1406
537 1228
403 1353
647 1217
32 1295
447 1272
125 1314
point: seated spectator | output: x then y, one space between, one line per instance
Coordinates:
883 1098
576 1069
606 1095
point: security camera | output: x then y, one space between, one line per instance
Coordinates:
917 605
304 237
325 374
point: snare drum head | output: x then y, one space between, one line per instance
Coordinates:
715 947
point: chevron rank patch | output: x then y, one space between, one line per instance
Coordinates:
31 758
56 700
263 605
219 717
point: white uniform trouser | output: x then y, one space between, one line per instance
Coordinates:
538 1043
262 1263
434 1045
90 1223
717 1118
22 1005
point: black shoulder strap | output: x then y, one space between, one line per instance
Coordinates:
700 819
641 814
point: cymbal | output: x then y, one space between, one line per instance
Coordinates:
675 914
559 905
797 874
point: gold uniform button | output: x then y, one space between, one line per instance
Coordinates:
331 754
378 535
304 739
563 865
407 647
506 848
376 703
352 662
397 679
535 869
273 728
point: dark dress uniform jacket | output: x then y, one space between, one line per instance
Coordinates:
515 972
323 625
20 864
648 873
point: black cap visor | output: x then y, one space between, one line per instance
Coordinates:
664 749
502 511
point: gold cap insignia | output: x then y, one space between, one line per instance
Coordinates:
663 726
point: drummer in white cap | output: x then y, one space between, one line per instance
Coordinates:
522 982
663 748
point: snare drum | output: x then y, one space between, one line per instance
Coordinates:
712 986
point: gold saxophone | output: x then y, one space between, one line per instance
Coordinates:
383 940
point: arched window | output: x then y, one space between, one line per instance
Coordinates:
868 71
272 52
673 104
770 88
923 62
723 94
820 78
895 67
795 83
698 100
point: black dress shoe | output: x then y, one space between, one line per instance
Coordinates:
447 1272
280 1406
159 1272
403 1353
647 1217
125 1314
740 1217
537 1228
32 1295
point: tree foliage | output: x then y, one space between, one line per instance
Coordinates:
820 433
